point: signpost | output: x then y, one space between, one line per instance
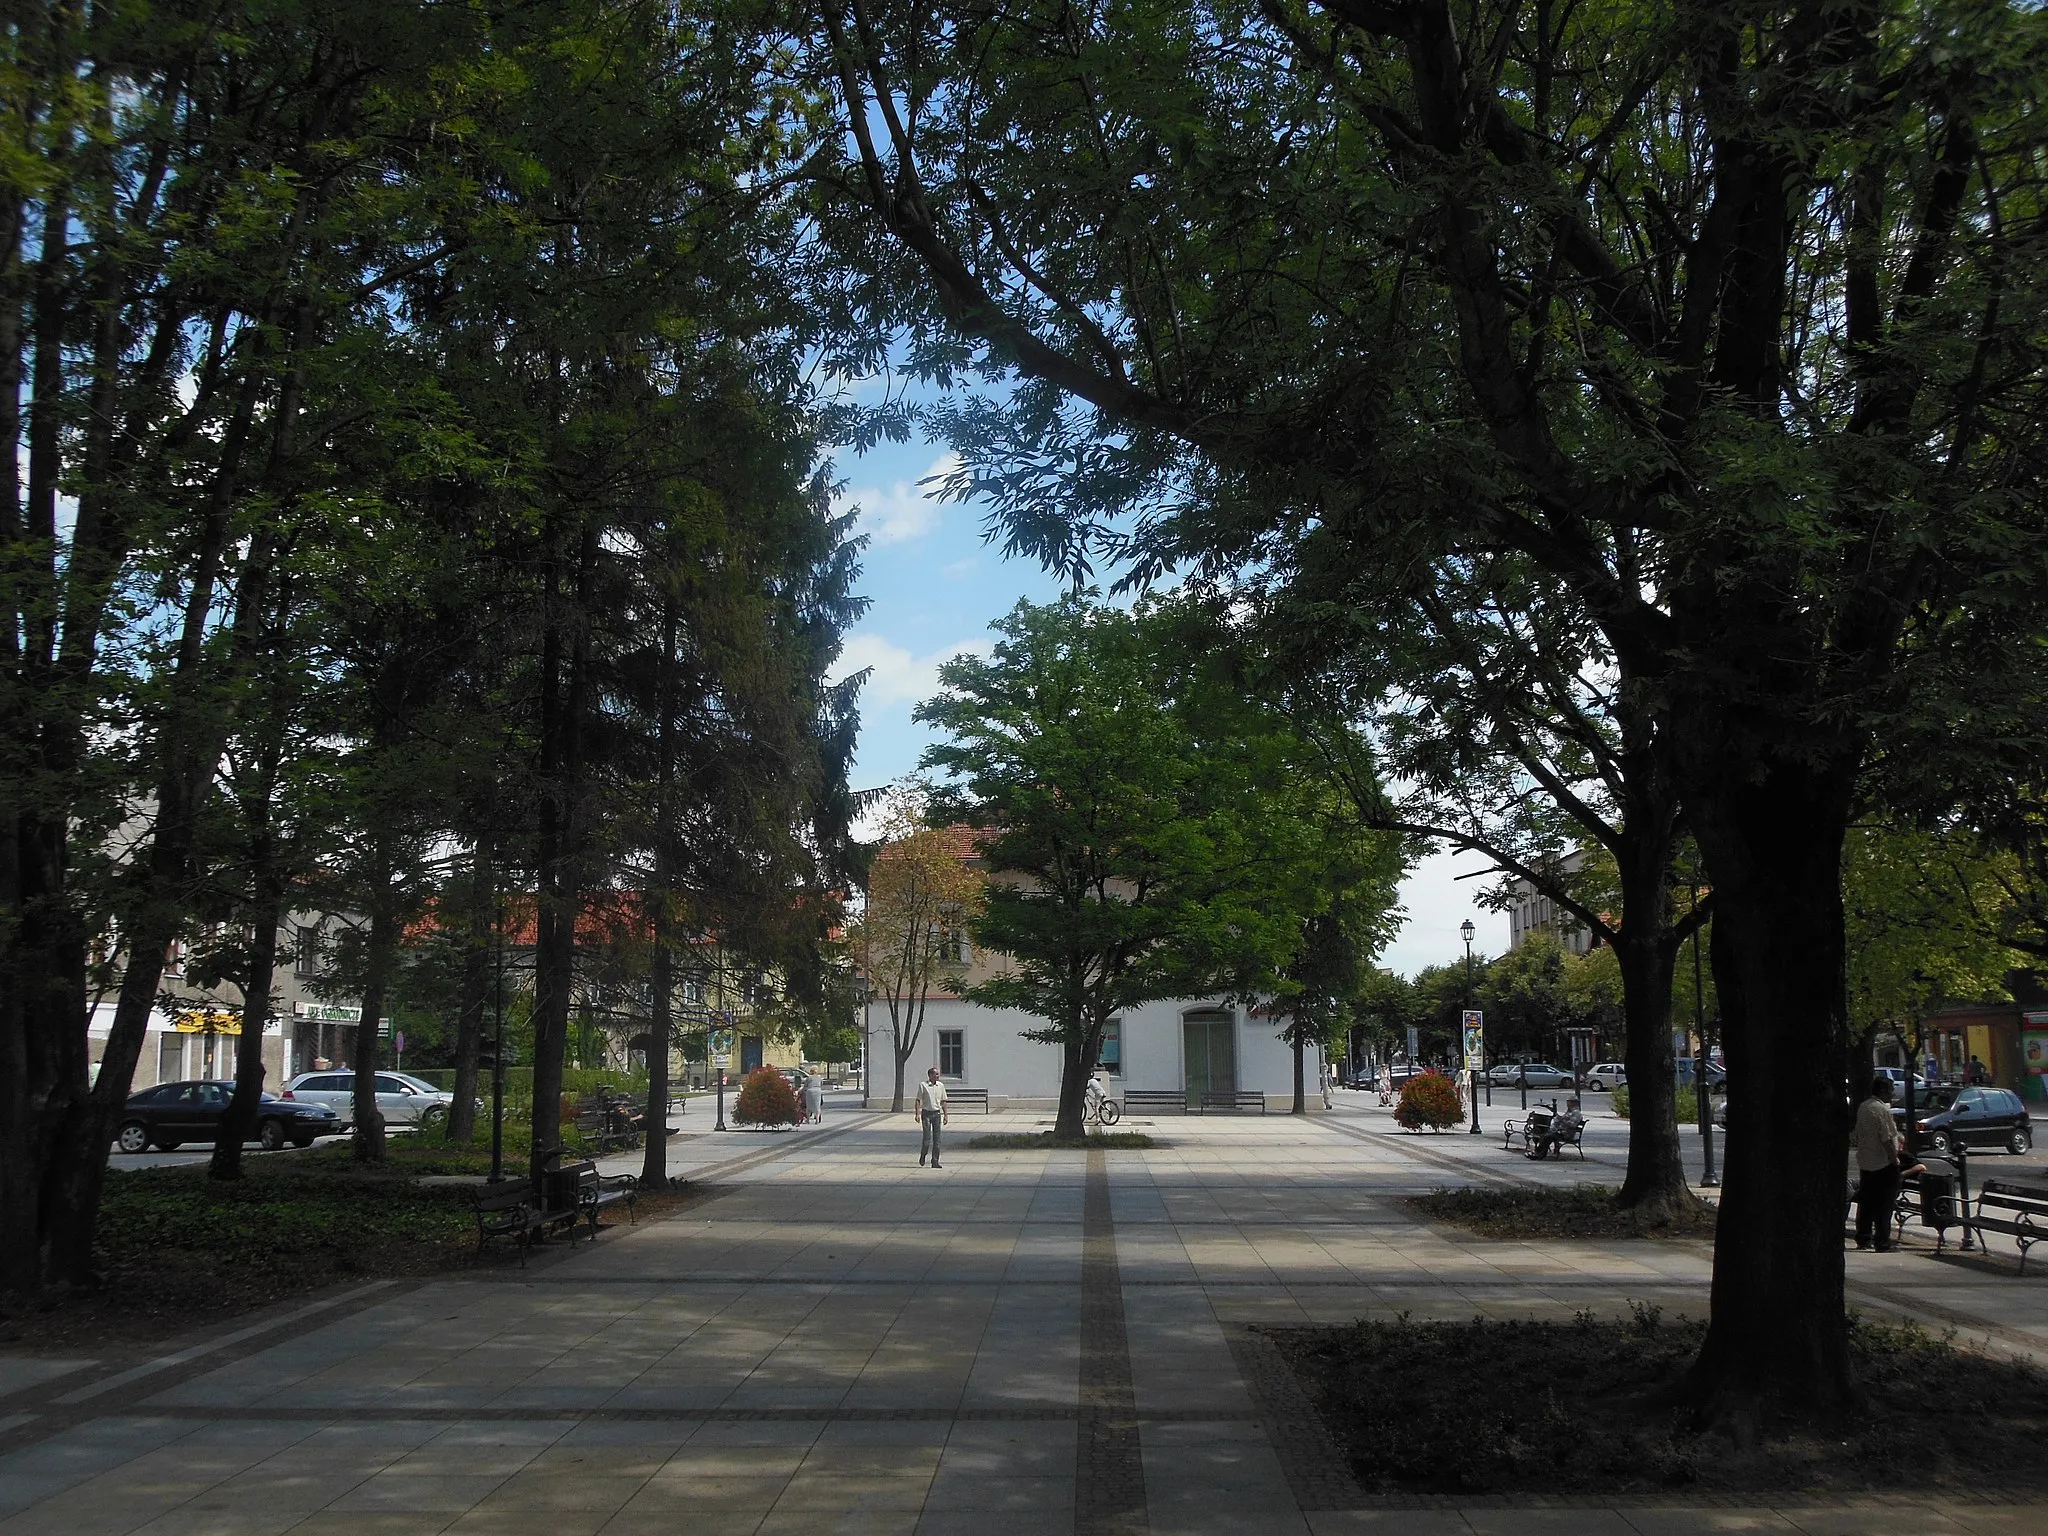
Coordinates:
1475 1057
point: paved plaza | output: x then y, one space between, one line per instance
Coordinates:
833 1339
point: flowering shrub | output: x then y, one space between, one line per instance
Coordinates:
766 1099
1431 1099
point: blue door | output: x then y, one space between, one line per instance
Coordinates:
750 1053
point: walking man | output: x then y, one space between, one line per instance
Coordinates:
1877 1161
814 1099
931 1114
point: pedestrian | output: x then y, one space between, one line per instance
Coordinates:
1979 1074
1386 1083
1877 1165
814 1099
931 1114
1328 1078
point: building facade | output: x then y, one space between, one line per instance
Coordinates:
1530 912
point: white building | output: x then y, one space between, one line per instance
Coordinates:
1192 1047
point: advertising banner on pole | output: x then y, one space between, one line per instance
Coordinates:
1475 1040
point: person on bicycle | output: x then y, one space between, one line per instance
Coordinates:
1095 1094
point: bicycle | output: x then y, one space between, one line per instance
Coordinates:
1104 1111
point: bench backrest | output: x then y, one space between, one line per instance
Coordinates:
2014 1197
503 1197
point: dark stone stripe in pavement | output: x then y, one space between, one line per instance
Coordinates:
1109 1467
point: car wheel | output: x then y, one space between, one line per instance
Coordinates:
271 1134
1942 1143
2020 1142
435 1116
134 1137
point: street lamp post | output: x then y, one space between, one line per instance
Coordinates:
1703 1078
1467 931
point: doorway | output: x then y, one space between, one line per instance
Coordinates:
1209 1052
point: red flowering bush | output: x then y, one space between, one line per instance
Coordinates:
1431 1099
766 1099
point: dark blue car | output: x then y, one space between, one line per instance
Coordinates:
171 1114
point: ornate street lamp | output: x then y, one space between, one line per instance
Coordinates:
1466 930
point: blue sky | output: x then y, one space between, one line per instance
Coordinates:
935 589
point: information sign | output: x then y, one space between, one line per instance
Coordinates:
1475 1040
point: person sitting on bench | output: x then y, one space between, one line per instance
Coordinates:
1562 1130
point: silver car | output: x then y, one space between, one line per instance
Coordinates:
1607 1076
401 1100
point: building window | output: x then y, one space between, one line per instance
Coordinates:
306 958
1111 1056
952 1053
693 991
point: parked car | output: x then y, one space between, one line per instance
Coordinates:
1607 1076
1971 1117
171 1114
1717 1075
1536 1074
1898 1077
401 1099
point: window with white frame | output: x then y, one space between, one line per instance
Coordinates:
1111 1056
952 1053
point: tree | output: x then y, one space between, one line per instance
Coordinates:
925 890
1725 321
1149 832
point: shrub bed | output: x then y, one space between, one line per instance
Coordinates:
1026 1140
1585 1211
1428 1099
1586 1407
766 1099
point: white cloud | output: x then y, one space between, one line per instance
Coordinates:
898 677
904 511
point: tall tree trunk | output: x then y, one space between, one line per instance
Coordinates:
661 980
1300 1073
369 1127
661 972
1777 1329
565 663
474 994
1070 1121
266 915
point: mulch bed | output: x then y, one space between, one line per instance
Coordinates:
1585 1211
178 1252
1026 1141
1489 1407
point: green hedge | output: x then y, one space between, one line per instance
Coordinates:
1688 1106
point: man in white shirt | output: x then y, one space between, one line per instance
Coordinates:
931 1114
1877 1161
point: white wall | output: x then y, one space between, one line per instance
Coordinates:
1002 1061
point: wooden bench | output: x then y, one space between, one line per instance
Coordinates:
978 1097
607 1122
2018 1210
1240 1099
1538 1133
509 1210
1155 1099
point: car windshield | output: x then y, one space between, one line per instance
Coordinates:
1934 1101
